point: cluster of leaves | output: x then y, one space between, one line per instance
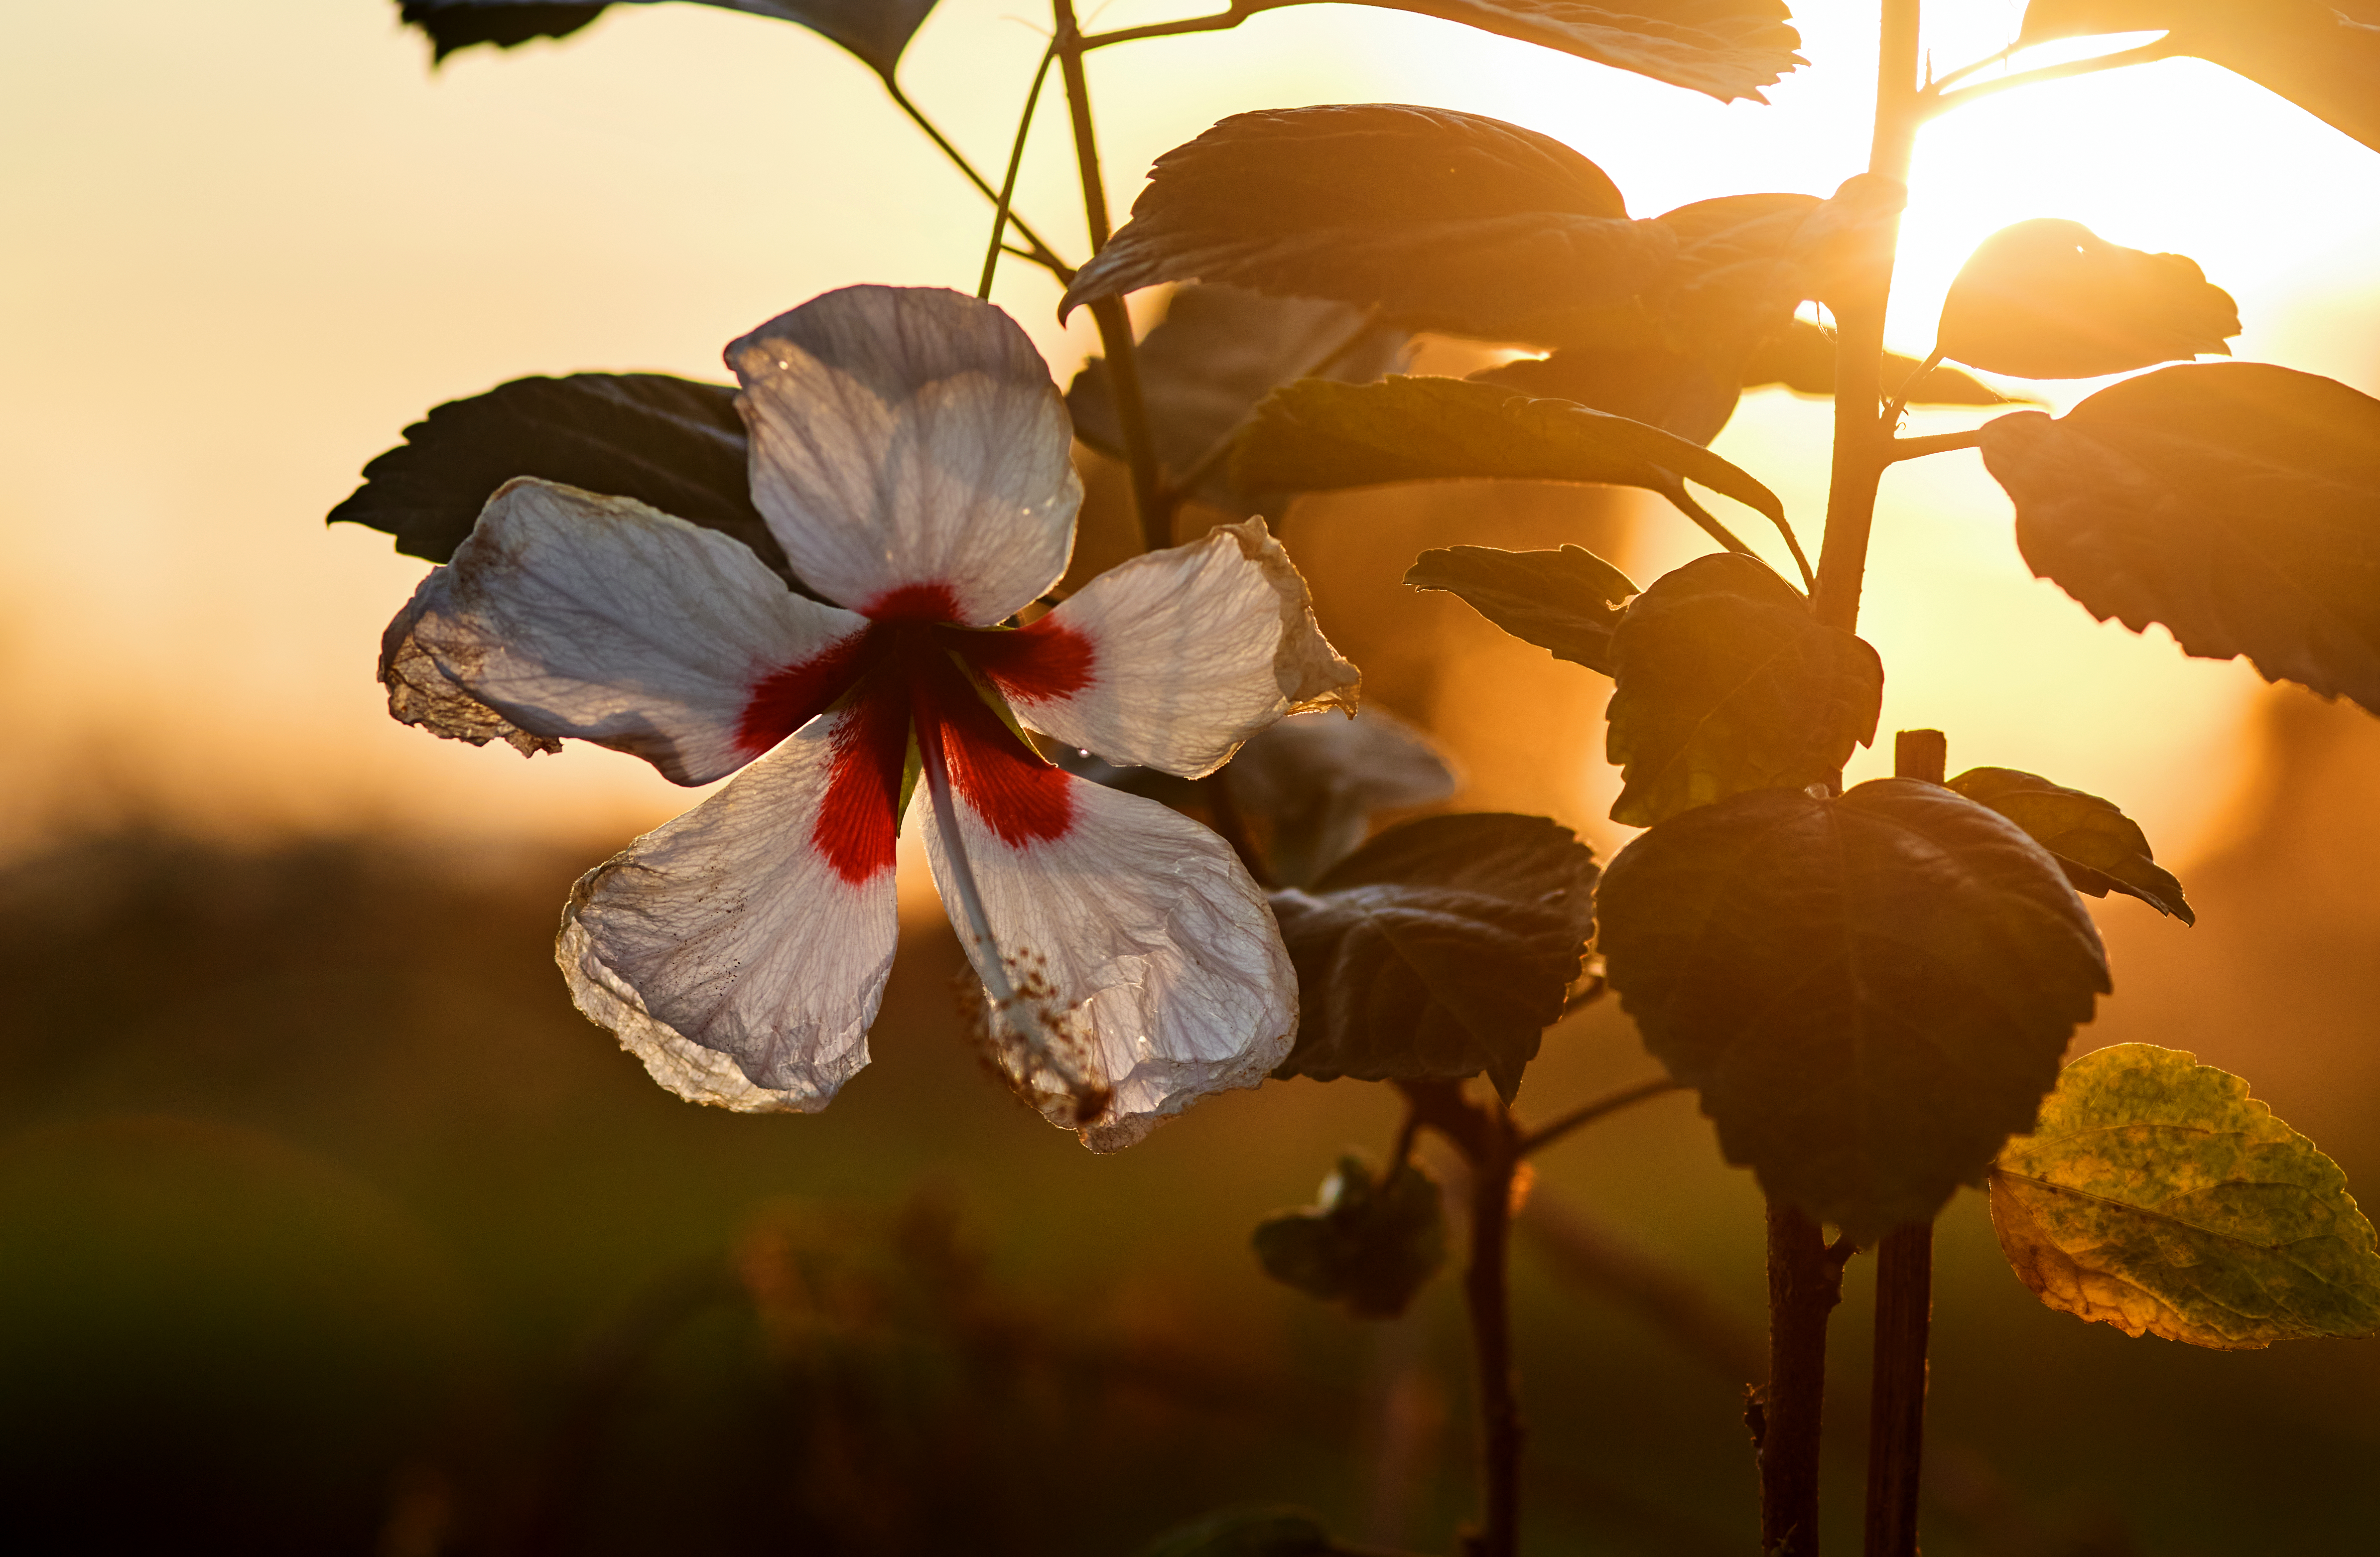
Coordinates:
1370 1242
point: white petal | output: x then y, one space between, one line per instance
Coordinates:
1140 939
910 439
1174 658
574 614
728 951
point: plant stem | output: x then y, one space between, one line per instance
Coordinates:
1000 215
1223 21
1938 102
1041 254
1109 313
1544 1135
1937 443
1805 1281
1895 1432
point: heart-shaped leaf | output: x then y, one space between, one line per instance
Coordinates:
2323 55
1802 358
2102 849
1871 994
1372 1242
2158 1196
1441 219
1567 602
1442 948
2052 299
675 443
2238 504
1723 681
875 30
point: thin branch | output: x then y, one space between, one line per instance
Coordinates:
1544 1135
1899 401
1042 254
1939 442
1937 85
1000 216
1228 19
1684 503
1937 104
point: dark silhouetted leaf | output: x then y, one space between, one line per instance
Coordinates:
1217 352
1442 948
2323 55
2052 299
1443 221
1318 436
2102 849
1312 782
2236 503
2158 1196
1871 994
1724 682
1371 1243
1245 1532
875 30
672 442
1671 390
1566 602
1802 360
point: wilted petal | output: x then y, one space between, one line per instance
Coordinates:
573 614
1174 659
741 950
907 441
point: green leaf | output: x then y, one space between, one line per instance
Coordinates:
875 30
672 443
1442 948
1315 435
2158 1196
1443 221
2236 503
2052 299
2102 849
2323 55
1371 1242
1724 682
1566 602
1871 994
1802 360
1245 1532
1311 783
1217 352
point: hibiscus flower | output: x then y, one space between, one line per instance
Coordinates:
912 457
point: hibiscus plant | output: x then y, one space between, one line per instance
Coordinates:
833 584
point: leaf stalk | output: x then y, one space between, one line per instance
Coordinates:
1042 254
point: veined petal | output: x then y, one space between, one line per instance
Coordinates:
741 950
907 441
1174 658
568 614
1148 968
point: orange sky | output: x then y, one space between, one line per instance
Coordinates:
248 242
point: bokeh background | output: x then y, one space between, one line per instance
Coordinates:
327 1226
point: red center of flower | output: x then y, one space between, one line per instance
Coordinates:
905 671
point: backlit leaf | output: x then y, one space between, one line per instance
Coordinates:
2052 299
1312 782
2158 1196
1315 436
1442 220
1442 948
1245 1532
2323 55
1675 391
1871 994
875 30
2102 849
1371 1242
2237 504
672 443
1724 682
1567 602
1802 360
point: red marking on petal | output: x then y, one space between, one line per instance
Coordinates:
914 603
1045 660
1019 797
789 697
858 826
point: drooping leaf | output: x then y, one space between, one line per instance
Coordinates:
1315 436
2158 1196
2052 299
1311 783
1442 948
1723 681
1372 1242
672 443
2102 849
1219 351
1245 1532
1802 360
2236 503
1871 994
1441 219
1566 602
875 30
2323 55
1675 391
